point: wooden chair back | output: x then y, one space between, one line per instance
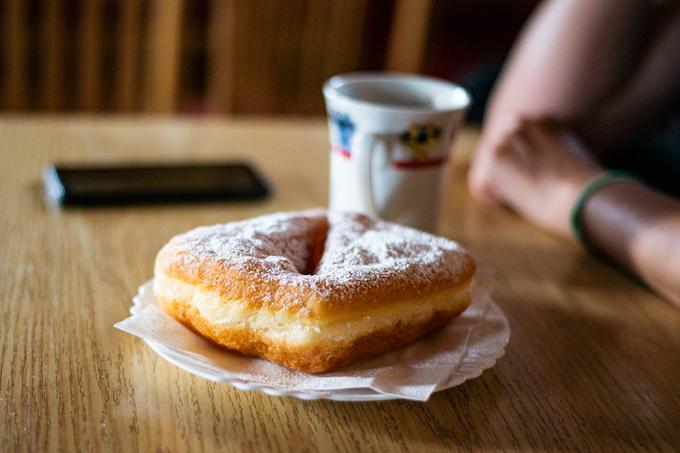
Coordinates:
119 55
274 55
261 56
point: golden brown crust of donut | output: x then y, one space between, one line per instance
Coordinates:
231 284
316 357
254 284
203 277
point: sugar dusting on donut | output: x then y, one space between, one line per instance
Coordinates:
360 252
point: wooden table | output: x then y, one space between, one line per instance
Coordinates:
593 361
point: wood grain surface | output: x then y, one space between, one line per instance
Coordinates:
593 361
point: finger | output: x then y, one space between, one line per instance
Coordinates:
480 185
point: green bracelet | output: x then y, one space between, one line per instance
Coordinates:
595 184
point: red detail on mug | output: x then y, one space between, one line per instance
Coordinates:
420 164
343 152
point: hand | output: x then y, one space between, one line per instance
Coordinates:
535 168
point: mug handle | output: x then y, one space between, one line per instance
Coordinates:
363 171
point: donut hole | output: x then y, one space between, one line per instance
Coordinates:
282 254
317 249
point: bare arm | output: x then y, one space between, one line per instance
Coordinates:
540 170
571 56
607 67
650 91
580 64
640 229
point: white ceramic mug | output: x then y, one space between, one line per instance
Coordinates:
391 136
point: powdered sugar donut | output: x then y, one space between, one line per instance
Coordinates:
312 290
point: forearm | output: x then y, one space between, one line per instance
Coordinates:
651 90
640 229
570 57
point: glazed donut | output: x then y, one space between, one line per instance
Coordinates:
312 290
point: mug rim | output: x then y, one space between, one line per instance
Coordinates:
332 85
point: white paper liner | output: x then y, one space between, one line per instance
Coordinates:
458 351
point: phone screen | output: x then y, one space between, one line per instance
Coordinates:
132 184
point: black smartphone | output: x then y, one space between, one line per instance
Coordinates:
128 184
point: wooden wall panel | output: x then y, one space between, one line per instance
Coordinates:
15 86
163 56
128 42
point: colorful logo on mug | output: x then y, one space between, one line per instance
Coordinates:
345 129
419 139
